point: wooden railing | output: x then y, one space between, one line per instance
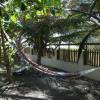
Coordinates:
90 57
67 55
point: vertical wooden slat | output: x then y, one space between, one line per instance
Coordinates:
87 57
94 58
84 57
64 55
99 58
69 55
58 54
71 59
77 55
74 54
87 62
90 57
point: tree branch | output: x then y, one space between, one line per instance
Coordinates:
89 14
81 47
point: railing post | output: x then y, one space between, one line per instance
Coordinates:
58 54
68 55
99 58
85 57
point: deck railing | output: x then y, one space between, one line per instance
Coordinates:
90 57
67 55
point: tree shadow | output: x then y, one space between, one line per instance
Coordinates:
45 85
26 85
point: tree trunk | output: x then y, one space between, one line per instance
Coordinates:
39 55
5 58
40 51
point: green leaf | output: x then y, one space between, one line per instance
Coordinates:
13 18
27 17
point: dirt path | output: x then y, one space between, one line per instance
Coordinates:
33 87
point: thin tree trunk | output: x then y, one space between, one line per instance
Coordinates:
40 51
39 55
6 59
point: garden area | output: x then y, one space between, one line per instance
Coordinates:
49 50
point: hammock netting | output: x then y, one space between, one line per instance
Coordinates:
43 69
47 71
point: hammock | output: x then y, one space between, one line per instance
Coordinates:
44 69
48 71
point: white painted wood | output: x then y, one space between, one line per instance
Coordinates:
71 67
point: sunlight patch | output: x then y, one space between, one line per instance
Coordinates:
37 94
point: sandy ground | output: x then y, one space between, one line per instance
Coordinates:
35 87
